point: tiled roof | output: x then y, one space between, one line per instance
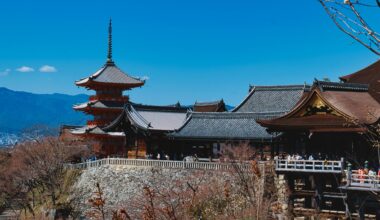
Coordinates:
369 75
148 117
348 102
271 98
95 130
111 74
100 104
224 126
162 108
165 119
323 85
216 106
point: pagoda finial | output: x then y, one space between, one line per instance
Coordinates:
109 55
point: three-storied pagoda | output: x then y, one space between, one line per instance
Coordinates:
106 105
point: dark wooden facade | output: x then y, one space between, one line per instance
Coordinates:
329 123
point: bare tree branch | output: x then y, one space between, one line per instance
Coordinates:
349 20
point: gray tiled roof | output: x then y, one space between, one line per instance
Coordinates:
95 130
101 104
271 99
148 117
110 73
224 125
86 129
323 85
218 102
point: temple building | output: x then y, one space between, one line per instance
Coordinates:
325 131
109 83
328 120
209 133
146 127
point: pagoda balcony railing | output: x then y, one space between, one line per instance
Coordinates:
309 166
362 182
98 122
109 98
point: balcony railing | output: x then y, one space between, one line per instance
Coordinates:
363 182
98 122
109 98
169 164
309 166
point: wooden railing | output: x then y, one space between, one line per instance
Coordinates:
312 166
109 98
171 164
98 122
358 181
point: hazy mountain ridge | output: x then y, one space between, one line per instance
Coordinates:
26 115
22 110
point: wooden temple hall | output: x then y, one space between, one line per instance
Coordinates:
320 137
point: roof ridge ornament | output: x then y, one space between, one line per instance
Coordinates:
109 54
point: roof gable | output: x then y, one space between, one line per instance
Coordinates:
332 105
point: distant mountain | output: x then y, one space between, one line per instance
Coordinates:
24 115
229 107
20 111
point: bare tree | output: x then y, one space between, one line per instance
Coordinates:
352 18
34 173
256 183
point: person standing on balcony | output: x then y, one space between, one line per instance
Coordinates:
311 157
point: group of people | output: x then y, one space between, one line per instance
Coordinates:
297 156
371 172
157 156
165 156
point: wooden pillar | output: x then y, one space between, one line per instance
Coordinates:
318 193
272 149
361 205
308 199
291 195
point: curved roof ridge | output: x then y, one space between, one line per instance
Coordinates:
361 71
235 114
280 87
209 102
163 108
110 73
138 116
252 89
325 85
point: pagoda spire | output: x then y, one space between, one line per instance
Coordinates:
109 54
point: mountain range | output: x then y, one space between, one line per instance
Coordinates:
20 111
23 114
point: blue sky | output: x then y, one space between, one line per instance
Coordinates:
190 50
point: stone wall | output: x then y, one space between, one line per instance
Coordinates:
121 185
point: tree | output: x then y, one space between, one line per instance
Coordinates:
352 18
34 173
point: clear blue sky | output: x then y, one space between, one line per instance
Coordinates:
190 50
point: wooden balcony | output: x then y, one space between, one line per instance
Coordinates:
109 98
309 166
362 182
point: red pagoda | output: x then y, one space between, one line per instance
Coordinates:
106 105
